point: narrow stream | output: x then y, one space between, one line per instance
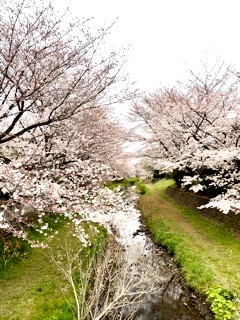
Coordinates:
173 299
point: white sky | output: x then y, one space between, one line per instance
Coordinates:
167 37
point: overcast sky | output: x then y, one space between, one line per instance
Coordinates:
168 36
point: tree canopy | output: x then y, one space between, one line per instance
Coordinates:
59 143
193 128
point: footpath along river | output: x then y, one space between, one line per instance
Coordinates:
173 299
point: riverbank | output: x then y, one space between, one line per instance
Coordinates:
208 253
35 288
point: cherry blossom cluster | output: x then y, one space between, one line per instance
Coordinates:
215 169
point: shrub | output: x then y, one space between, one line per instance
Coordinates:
222 303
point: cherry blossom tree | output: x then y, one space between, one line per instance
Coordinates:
194 129
58 142
51 69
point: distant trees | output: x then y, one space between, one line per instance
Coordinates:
194 128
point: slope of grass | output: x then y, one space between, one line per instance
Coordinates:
208 253
14 249
34 288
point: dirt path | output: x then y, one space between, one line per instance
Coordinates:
174 215
219 247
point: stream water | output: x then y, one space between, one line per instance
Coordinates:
173 299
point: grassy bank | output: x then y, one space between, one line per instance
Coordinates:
33 288
208 253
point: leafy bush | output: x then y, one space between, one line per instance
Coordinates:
141 187
128 182
222 303
125 183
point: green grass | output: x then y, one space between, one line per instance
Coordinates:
13 249
32 287
126 183
208 253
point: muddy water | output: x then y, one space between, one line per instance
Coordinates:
172 300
